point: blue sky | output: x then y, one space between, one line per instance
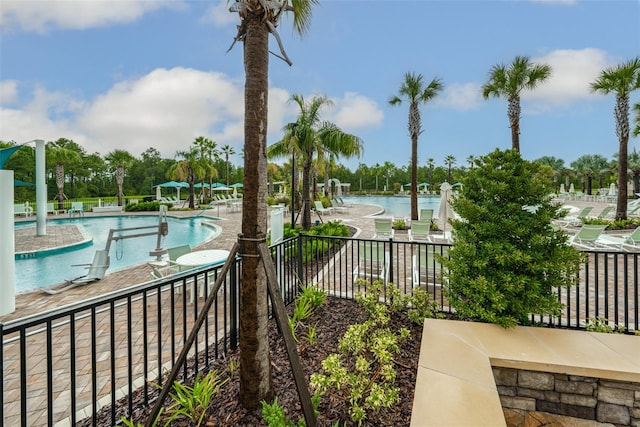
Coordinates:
138 74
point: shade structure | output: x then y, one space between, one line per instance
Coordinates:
18 183
174 184
237 185
223 188
445 211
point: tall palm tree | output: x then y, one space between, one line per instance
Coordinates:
621 80
57 154
308 136
227 150
556 166
431 164
189 169
449 160
415 92
636 119
257 20
119 160
208 152
508 82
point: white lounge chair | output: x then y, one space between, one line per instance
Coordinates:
419 230
22 209
336 206
587 236
373 261
625 242
425 265
383 228
76 208
320 209
574 220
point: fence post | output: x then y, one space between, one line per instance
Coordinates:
233 302
391 261
300 271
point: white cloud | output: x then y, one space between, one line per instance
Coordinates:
219 14
165 109
462 97
8 92
40 17
353 112
572 73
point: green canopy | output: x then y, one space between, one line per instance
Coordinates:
5 153
18 183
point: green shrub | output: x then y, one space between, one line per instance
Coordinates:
192 402
507 261
145 207
399 224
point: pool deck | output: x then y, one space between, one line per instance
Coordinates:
228 220
36 302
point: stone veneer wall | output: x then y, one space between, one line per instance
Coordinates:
606 401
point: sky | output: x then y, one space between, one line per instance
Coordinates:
132 75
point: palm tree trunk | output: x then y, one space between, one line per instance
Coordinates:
306 200
60 185
255 362
514 122
120 182
622 129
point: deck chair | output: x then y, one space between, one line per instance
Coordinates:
419 230
383 228
604 212
575 221
337 207
373 261
321 209
426 214
95 271
174 253
426 267
627 242
587 236
76 208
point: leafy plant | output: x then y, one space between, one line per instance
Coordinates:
600 324
422 307
274 414
192 402
399 224
145 206
130 423
306 302
363 372
507 262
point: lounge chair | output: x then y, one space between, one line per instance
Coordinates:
626 242
426 214
587 236
383 228
574 220
337 207
342 202
604 212
320 209
95 271
425 265
373 261
76 208
22 209
419 230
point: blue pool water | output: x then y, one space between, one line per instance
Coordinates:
396 206
54 267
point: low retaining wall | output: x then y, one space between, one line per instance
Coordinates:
605 401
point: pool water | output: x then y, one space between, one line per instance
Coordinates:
53 267
396 206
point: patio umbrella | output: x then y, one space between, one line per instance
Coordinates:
236 185
174 184
572 189
235 192
222 188
562 190
18 183
445 212
612 189
158 192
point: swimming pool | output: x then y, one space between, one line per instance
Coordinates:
396 206
42 270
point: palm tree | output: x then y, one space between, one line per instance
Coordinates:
415 92
189 169
208 152
636 109
257 19
57 154
119 160
431 164
449 160
227 150
309 136
509 82
471 160
622 80
556 166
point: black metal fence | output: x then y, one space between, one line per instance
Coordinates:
65 365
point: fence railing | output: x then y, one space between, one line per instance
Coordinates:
65 365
